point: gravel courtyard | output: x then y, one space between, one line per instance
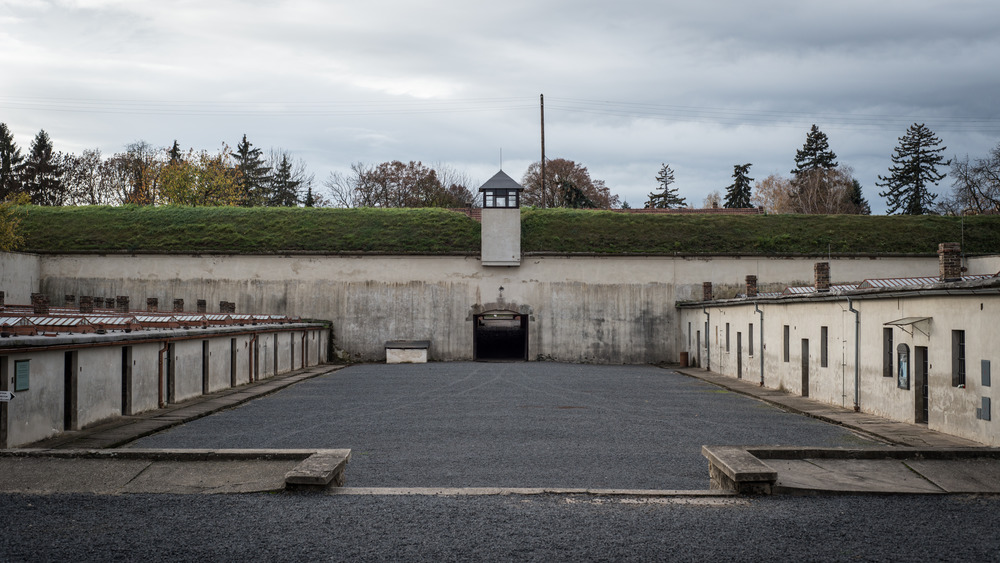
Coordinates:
532 424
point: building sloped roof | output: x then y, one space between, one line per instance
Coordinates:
501 181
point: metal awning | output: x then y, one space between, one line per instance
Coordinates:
922 324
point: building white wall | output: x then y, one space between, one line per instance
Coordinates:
39 413
99 384
951 409
603 309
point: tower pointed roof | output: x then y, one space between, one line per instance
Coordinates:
501 181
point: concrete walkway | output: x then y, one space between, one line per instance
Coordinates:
126 429
888 431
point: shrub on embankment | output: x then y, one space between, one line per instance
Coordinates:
605 232
248 230
438 231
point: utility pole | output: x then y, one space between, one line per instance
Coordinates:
541 101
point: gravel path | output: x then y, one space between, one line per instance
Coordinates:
298 527
535 424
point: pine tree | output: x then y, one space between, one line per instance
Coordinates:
42 173
914 170
11 163
284 190
815 153
310 200
667 197
175 153
253 174
738 194
858 200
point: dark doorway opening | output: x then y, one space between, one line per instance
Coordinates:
920 384
500 336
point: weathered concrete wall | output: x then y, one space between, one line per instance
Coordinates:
145 377
582 309
951 409
99 385
19 276
501 237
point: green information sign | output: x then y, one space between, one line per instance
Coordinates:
21 373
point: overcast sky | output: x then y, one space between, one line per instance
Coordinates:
628 85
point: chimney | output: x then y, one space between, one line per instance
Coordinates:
178 305
39 304
706 291
86 304
69 300
751 285
152 304
202 306
121 304
3 297
822 270
950 261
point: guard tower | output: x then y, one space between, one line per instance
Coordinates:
501 221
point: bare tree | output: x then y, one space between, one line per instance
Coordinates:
976 186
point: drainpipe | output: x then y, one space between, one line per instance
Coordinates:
857 354
252 347
159 389
708 348
302 350
760 312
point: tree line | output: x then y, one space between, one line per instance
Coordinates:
819 185
143 174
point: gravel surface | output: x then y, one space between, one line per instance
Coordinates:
301 527
536 424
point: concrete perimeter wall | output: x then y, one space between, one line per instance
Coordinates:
581 308
19 276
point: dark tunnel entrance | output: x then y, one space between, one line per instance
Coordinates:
500 336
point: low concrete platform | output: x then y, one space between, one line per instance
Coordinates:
874 471
35 471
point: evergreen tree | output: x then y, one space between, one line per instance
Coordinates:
815 153
310 201
738 194
175 153
667 197
284 190
858 200
253 174
11 162
573 197
43 173
914 170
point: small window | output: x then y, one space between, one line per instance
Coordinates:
786 343
750 339
903 373
22 374
887 352
958 358
727 337
824 356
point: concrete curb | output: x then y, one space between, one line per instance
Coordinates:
316 469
